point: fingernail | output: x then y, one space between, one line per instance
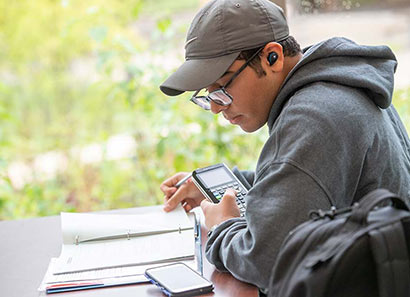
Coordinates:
167 207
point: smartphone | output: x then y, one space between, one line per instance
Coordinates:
214 180
178 279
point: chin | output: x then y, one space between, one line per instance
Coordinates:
250 128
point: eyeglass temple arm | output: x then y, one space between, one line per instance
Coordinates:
243 67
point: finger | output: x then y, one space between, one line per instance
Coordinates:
187 207
175 199
169 192
205 205
172 181
229 205
229 197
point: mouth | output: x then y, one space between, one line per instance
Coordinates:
233 120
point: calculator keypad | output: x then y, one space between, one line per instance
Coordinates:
240 194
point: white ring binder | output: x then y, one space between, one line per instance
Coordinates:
128 235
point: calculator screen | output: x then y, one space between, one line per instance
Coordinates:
215 177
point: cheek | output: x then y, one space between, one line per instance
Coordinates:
253 98
255 103
245 96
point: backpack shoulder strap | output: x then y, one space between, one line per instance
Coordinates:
361 210
389 248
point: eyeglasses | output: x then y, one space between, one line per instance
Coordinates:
220 96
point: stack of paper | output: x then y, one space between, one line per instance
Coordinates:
107 246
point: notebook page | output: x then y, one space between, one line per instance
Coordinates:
122 252
87 226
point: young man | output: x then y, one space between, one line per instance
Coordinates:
333 133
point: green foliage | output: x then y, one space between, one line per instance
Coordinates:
401 99
166 7
73 74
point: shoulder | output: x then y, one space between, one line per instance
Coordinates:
327 109
321 122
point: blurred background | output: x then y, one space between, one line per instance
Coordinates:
83 124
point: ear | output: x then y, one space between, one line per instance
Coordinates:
272 47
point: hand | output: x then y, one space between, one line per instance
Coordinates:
224 210
187 194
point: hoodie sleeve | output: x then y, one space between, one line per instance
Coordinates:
246 177
239 245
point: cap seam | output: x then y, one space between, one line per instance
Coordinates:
265 12
220 27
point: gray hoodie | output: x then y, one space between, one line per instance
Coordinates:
333 137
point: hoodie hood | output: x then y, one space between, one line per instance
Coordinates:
342 61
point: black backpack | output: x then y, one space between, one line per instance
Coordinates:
357 251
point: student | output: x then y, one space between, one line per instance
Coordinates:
333 133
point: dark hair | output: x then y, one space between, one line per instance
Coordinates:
290 48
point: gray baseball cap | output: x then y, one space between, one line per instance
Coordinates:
217 35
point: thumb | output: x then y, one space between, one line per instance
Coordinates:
205 205
229 197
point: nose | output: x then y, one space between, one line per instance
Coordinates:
216 108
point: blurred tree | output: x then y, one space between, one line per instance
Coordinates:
310 6
75 73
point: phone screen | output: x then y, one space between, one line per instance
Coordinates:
178 278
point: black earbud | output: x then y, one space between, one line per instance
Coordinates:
272 57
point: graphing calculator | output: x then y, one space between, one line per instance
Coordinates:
214 180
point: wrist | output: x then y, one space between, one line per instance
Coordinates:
212 229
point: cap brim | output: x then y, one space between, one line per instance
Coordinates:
194 75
